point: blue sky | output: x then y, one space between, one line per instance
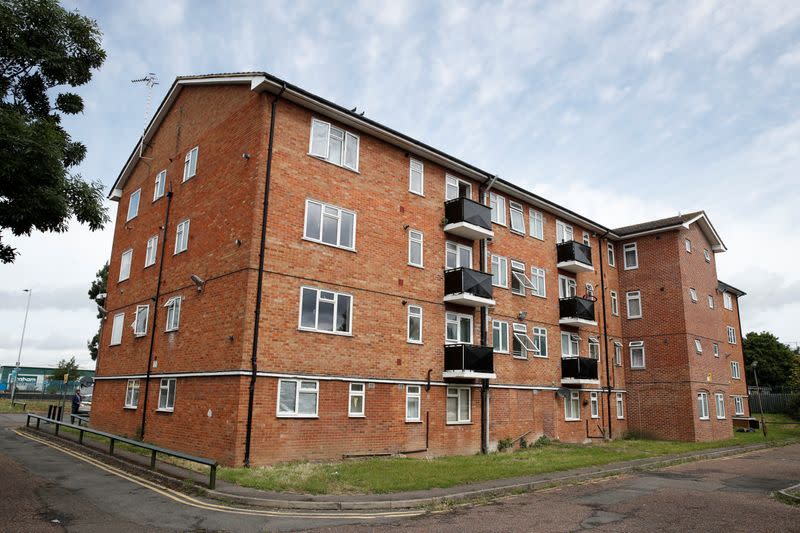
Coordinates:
623 111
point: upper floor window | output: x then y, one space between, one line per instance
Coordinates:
594 348
182 236
161 181
636 349
735 370
537 224
614 303
539 342
298 398
173 306
587 240
634 302
693 295
414 331
116 329
331 225
150 253
715 346
631 256
499 271
457 255
325 311
563 232
415 248
519 279
133 204
456 188
570 345
688 245
522 344
706 255
538 281
498 205
190 164
334 145
140 321
727 301
416 177
698 346
500 336
458 328
617 353
125 265
567 287
710 302
612 260
517 217
731 335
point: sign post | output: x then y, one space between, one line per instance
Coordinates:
64 393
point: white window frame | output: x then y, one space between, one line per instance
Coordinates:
167 391
416 167
594 346
587 239
516 208
458 394
151 251
617 353
518 273
335 301
594 403
633 295
614 303
414 392
117 326
562 231
620 406
301 386
693 294
539 282
731 335
706 255
702 405
190 164
416 238
540 342
181 237
719 400
536 223
346 138
173 306
332 212
567 287
637 346
454 249
572 343
610 255
727 301
500 271
497 204
687 244
710 302
354 392
133 207
630 247
414 313
572 403
160 185
125 261
735 370
698 346
502 330
520 334
455 318
715 347
589 289
132 394
136 331
450 182
738 406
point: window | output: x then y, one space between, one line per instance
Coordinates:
499 271
594 348
517 217
618 353
522 344
500 336
636 349
633 300
297 398
589 290
182 237
458 405
458 328
413 400
334 145
731 335
415 248
727 301
570 345
706 255
150 254
416 177
693 295
567 287
166 394
620 406
331 225
710 302
563 232
572 406
498 205
702 405
161 181
537 282
190 164
133 204
173 306
715 346
698 346
140 322
457 255
356 401
414 333
537 224
456 188
519 280
735 370
612 260
720 405
631 256
125 265
132 394
738 405
325 311
539 342
594 402
688 245
614 303
587 241
116 329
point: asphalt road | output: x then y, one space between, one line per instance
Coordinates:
43 489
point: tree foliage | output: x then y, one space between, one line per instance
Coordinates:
43 46
65 367
778 365
99 286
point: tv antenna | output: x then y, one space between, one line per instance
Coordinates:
151 80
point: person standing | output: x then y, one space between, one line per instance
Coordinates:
76 401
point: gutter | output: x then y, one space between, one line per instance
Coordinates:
605 330
483 192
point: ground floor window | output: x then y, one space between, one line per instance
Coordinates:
720 405
738 405
572 406
702 405
458 405
132 394
166 394
595 403
356 399
297 397
413 400
620 406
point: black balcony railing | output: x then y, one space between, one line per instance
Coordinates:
579 368
466 210
574 251
467 357
475 282
576 307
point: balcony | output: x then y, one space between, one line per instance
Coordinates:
577 370
574 257
468 219
464 286
576 311
467 361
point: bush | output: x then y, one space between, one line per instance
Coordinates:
794 407
541 441
523 443
504 444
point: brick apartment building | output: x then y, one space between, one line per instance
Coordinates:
291 280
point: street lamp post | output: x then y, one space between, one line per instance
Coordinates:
760 406
21 340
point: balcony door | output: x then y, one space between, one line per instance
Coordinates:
567 287
456 188
563 232
457 255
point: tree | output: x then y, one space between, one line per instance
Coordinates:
777 363
43 46
99 286
65 367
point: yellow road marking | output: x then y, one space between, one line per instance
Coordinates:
193 502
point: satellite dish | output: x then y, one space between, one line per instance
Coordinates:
563 392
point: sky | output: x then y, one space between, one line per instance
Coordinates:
622 111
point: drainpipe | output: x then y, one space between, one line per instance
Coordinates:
259 290
482 192
605 330
155 312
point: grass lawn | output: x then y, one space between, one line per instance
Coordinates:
383 475
33 406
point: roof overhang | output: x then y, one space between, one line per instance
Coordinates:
724 287
701 220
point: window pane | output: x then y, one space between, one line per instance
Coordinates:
452 409
286 398
463 405
465 329
465 257
452 331
347 230
309 309
356 405
351 152
307 403
414 333
412 408
325 316
336 146
319 138
343 313
313 215
330 226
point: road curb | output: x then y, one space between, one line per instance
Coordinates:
786 496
